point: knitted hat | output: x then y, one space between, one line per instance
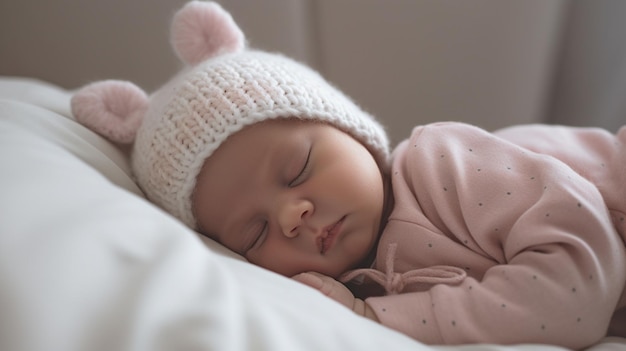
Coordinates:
224 88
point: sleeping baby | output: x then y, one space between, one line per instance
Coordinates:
457 236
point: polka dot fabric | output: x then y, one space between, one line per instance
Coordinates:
543 259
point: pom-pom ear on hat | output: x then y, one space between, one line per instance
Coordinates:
201 30
111 108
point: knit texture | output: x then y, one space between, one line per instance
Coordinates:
192 115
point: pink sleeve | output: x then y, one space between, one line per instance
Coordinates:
557 266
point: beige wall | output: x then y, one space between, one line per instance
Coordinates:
487 62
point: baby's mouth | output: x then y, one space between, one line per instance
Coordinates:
327 239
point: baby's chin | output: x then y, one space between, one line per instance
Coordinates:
339 270
333 272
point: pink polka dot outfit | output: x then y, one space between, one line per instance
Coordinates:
512 237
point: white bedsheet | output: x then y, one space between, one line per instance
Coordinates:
86 263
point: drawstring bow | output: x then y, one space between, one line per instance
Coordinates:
395 283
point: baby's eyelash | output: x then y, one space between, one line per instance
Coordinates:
303 172
258 238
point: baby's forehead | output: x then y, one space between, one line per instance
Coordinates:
286 134
272 135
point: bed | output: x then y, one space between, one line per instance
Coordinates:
87 263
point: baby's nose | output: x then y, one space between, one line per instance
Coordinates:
292 215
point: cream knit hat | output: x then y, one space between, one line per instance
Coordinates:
224 88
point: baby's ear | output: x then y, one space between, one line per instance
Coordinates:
201 30
111 108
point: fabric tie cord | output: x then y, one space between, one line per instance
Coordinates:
394 282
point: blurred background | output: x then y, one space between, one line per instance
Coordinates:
492 63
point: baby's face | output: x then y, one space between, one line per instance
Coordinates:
292 196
